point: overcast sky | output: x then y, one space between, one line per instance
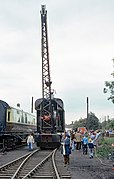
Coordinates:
81 49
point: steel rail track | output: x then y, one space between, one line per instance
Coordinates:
8 170
38 167
45 167
29 163
17 172
36 164
58 175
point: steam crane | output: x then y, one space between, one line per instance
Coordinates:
50 111
46 81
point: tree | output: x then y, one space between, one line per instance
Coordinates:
92 122
110 87
80 123
108 124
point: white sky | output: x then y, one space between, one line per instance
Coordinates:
81 48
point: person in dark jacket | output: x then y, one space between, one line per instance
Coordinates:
66 148
91 148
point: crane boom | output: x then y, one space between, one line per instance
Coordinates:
50 110
46 82
46 108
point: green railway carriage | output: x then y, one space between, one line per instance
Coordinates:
15 125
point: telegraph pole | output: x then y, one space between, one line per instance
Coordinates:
87 110
32 105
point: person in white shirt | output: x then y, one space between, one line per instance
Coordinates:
30 141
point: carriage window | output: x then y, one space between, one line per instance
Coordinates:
25 118
22 118
17 111
19 119
8 115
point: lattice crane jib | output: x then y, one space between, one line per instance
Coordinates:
46 80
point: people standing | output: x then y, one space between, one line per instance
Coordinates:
30 141
78 138
66 148
84 144
73 141
92 135
96 140
91 148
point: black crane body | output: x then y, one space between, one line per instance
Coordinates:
50 110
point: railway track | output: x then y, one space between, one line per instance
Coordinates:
8 170
37 164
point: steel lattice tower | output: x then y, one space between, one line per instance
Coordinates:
46 80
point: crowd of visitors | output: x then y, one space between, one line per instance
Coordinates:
75 140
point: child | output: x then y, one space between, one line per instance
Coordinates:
91 148
84 144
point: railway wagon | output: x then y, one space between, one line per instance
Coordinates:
50 128
15 124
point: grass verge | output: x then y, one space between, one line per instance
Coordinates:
105 148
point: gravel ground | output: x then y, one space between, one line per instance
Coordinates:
80 167
12 155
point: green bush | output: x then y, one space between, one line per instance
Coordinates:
105 147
